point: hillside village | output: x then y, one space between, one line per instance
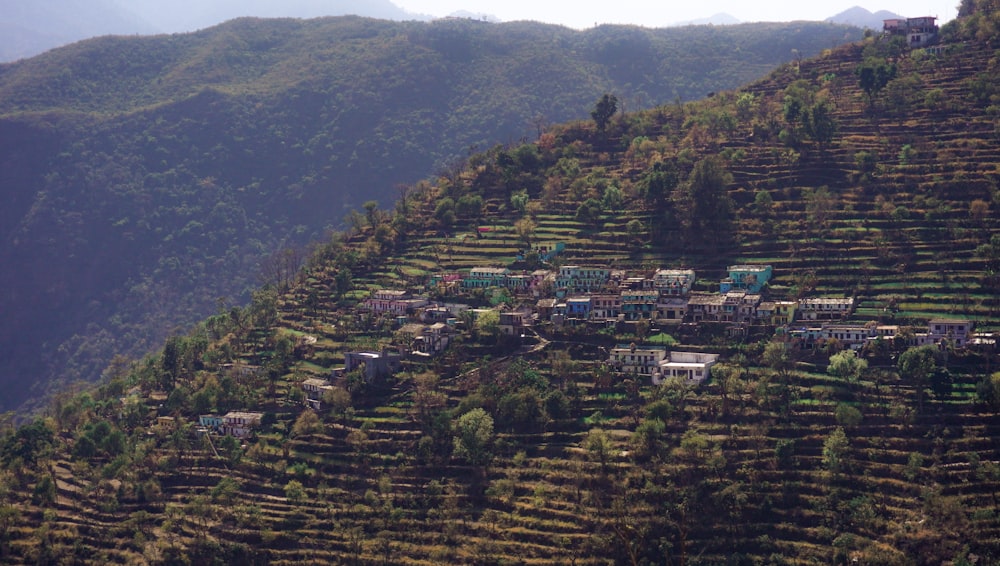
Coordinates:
812 381
529 305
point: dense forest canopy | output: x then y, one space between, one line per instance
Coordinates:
145 178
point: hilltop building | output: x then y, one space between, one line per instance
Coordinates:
918 32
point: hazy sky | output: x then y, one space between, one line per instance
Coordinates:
582 14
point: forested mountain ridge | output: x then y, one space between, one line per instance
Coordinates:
145 177
30 28
869 173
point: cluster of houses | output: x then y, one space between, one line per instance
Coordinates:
575 295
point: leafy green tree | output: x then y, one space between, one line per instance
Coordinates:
847 365
658 183
473 439
488 324
648 438
444 213
605 108
818 122
634 229
873 75
519 201
525 229
916 365
835 449
307 423
469 206
295 491
589 213
777 356
847 415
988 389
708 208
28 444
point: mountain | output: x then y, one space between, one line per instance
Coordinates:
720 19
558 446
145 177
860 17
29 28
191 15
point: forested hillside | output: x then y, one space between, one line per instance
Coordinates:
144 179
869 173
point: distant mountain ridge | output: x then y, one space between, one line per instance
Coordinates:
858 16
30 28
720 19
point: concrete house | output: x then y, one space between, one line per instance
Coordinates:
605 307
853 336
396 302
825 308
578 308
957 332
375 364
240 424
577 279
638 360
513 323
637 305
671 309
673 282
485 277
919 32
314 389
704 307
692 367
750 278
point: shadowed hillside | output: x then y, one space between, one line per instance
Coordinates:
536 449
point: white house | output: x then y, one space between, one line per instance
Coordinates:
692 367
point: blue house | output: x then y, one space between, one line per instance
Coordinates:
578 307
750 278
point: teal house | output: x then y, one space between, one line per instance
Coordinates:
750 278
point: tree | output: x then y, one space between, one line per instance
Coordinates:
916 365
847 415
444 213
873 75
473 440
294 491
589 213
708 208
605 108
835 449
988 390
525 229
847 365
488 324
307 423
519 201
777 357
